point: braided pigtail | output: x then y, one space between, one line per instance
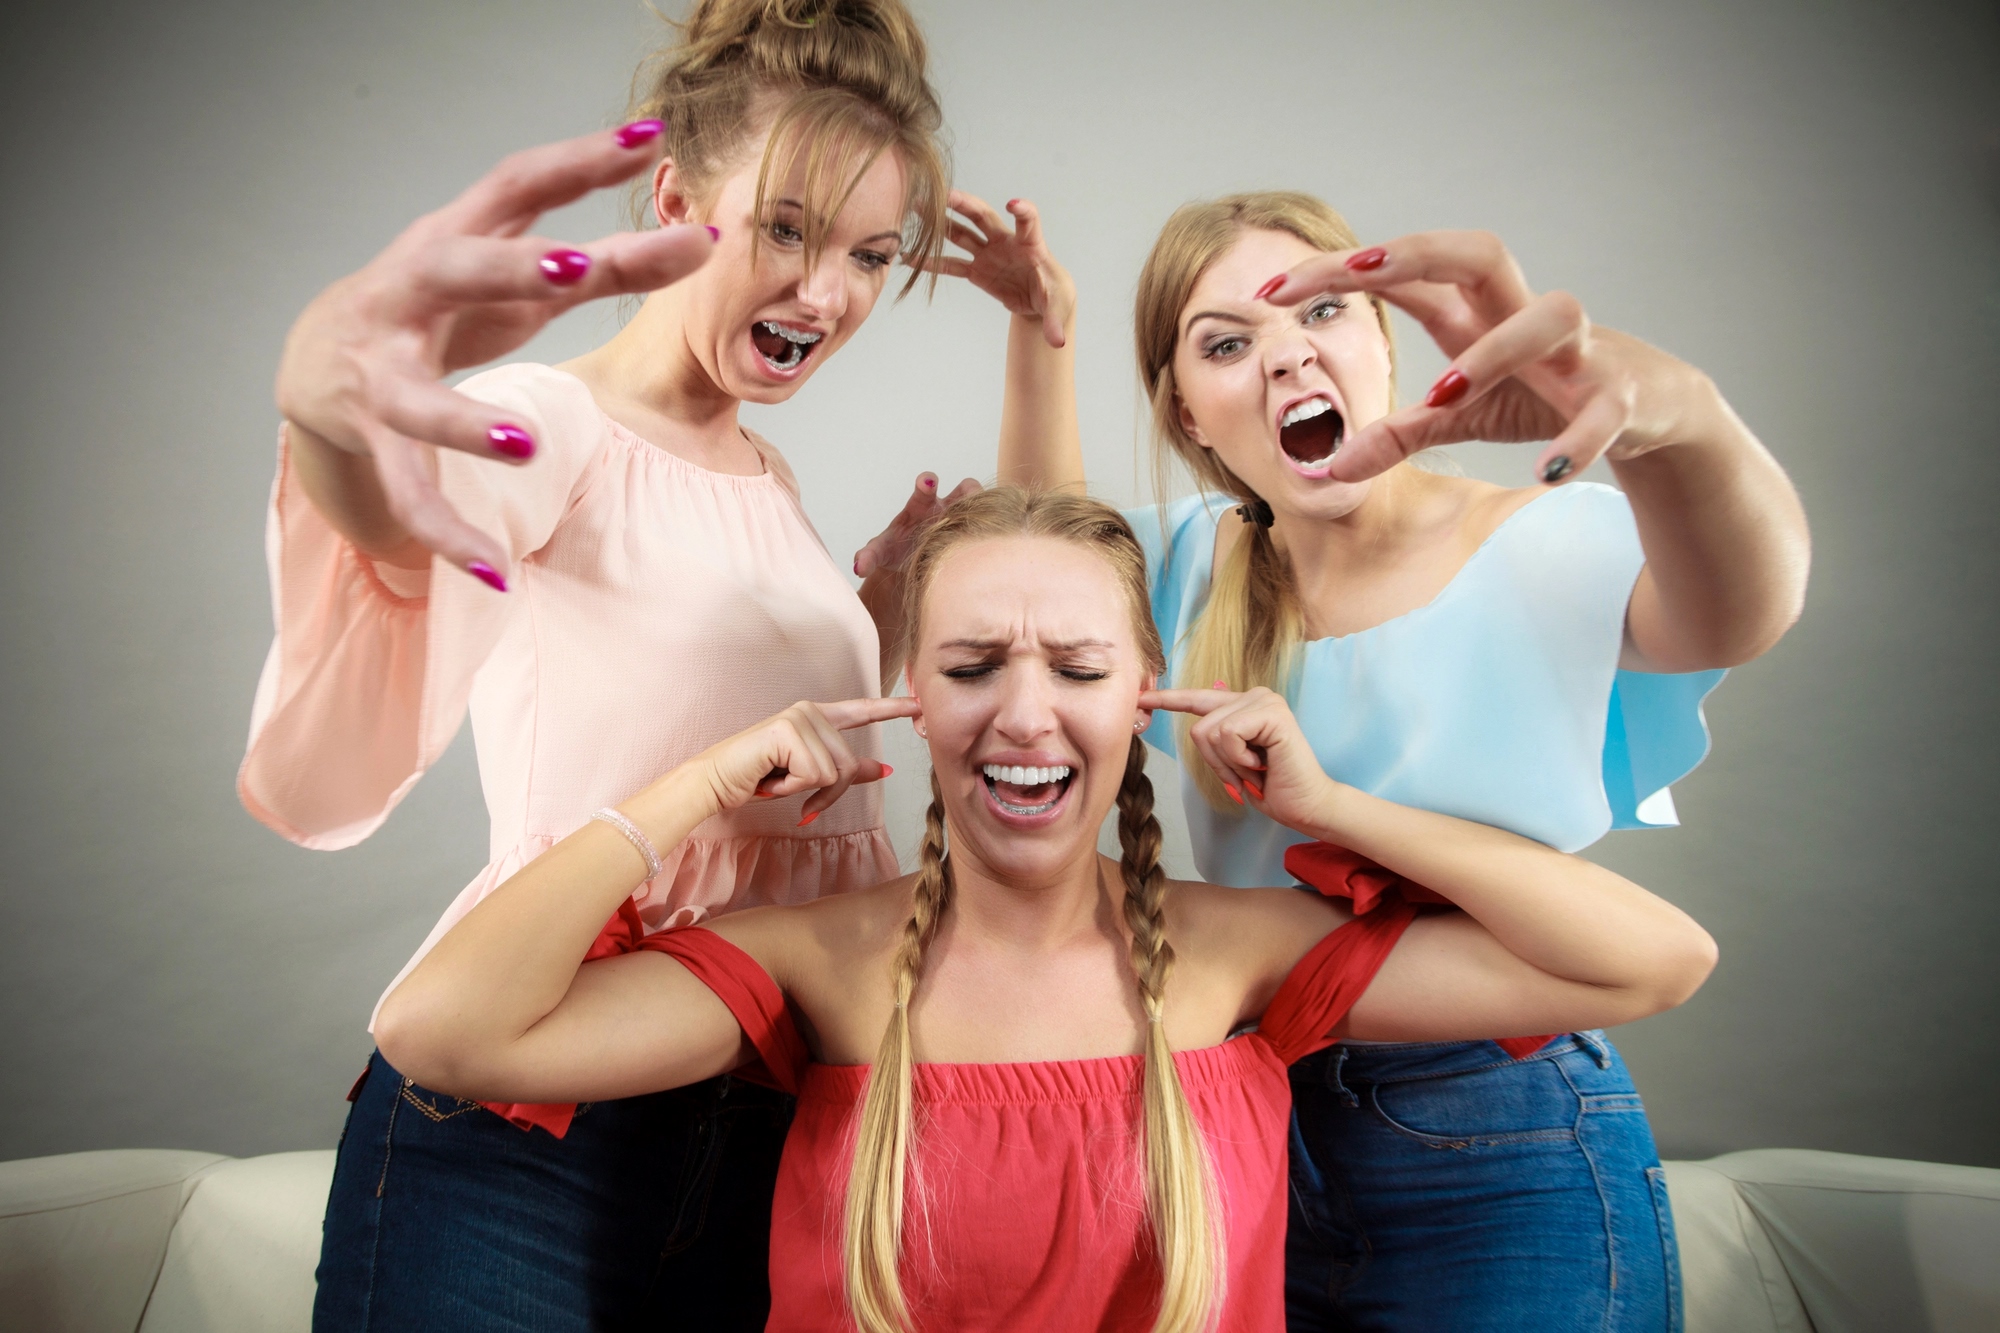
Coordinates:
873 1244
1180 1185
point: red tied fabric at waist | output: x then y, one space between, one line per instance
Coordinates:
1339 873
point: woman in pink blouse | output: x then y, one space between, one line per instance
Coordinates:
601 565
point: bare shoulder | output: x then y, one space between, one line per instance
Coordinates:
827 937
1257 929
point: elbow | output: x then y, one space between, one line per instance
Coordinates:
1681 967
414 1038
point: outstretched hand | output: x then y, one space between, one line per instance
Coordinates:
891 547
1253 743
362 365
1525 366
1010 261
801 749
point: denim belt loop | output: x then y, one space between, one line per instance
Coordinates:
1347 1096
1594 1043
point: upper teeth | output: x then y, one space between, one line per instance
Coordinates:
1026 777
799 336
1305 411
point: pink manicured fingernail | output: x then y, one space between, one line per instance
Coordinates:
511 441
565 268
857 568
486 574
638 132
1264 293
1451 387
715 233
1253 789
1234 794
1220 685
930 483
809 819
886 770
1368 260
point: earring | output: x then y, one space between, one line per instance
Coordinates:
918 724
1140 725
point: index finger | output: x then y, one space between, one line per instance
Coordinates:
1475 262
1198 702
851 713
536 180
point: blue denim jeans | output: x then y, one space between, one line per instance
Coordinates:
651 1213
1445 1186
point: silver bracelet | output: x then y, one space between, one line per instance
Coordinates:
635 836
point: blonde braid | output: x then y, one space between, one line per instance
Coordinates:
873 1243
1180 1183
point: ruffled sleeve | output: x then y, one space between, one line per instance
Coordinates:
371 667
1654 736
1179 542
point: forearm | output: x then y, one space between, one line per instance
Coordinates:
1561 914
346 490
1041 445
882 594
513 959
1727 550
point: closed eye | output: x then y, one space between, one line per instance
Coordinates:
873 260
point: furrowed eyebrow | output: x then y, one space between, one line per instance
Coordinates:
988 645
1222 315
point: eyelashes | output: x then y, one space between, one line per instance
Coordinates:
1224 346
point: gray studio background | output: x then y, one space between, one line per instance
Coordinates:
1801 198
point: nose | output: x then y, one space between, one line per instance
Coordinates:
823 288
1027 704
1288 353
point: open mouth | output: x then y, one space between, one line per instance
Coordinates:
1311 432
1026 792
783 348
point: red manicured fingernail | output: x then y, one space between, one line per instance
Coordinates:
715 233
486 574
1264 293
930 483
1013 203
886 770
1253 789
565 268
1368 260
638 132
511 441
1451 387
857 568
809 819
1220 685
1234 794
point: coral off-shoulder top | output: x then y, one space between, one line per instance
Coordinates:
656 608
1027 1205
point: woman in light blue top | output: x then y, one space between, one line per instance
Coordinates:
1532 658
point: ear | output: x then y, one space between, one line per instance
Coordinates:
1145 715
671 202
1188 426
917 722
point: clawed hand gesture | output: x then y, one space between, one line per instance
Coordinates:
1009 260
1525 366
363 365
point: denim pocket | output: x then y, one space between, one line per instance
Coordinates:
1670 1250
1527 1102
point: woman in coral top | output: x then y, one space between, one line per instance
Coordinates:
609 573
1057 1131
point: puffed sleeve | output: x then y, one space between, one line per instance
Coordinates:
371 667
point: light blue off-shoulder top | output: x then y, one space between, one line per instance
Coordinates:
1501 700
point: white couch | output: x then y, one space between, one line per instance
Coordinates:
1774 1241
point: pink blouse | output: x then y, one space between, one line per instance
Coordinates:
656 608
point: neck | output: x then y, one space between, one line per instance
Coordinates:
1321 548
1038 913
652 364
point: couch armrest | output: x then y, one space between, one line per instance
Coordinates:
1874 1242
82 1235
246 1247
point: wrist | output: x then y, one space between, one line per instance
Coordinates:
670 808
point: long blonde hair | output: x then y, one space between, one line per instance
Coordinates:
1181 1203
1253 623
841 80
